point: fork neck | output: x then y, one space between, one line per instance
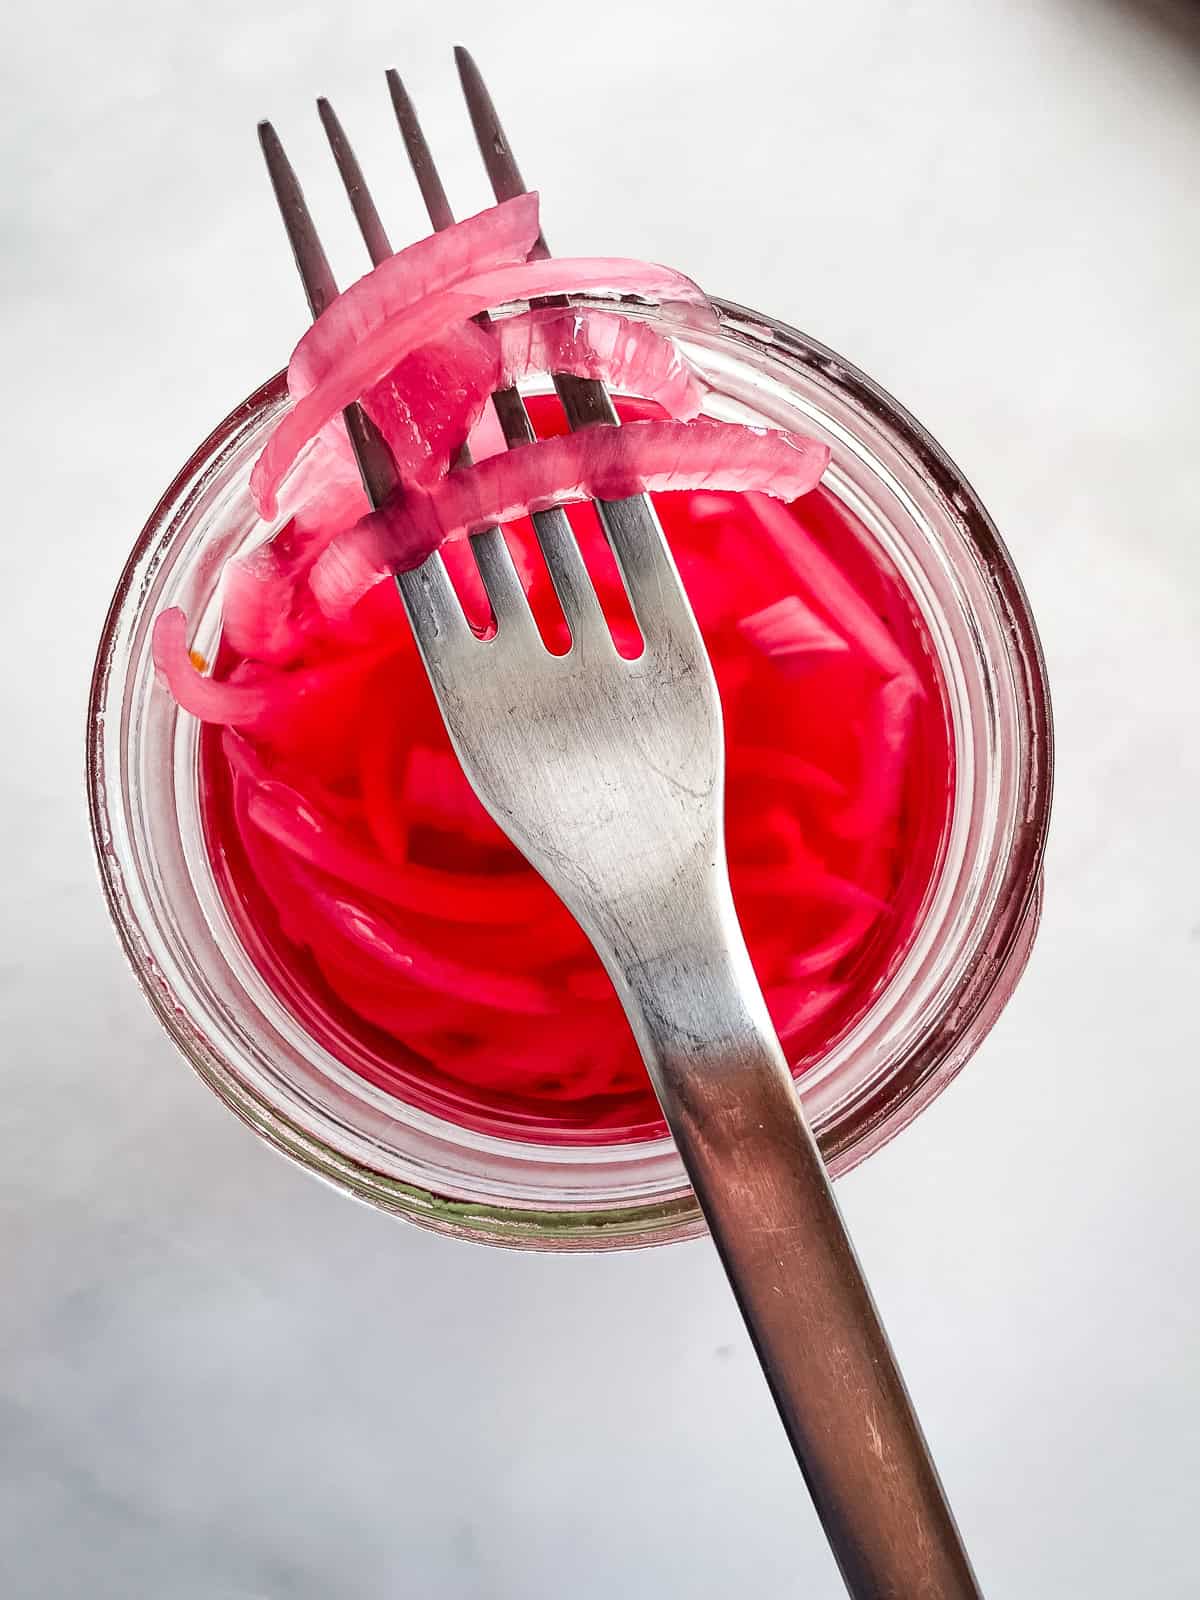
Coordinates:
684 977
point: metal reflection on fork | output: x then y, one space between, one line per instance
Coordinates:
608 774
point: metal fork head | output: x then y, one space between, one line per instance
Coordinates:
605 772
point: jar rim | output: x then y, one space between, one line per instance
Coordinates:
1000 946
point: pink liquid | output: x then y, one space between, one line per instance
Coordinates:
397 923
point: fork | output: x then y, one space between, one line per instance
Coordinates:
607 773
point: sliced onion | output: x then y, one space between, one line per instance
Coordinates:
366 931
795 1007
831 590
486 438
247 763
434 399
792 634
629 356
285 816
314 709
503 235
435 791
598 462
361 364
244 704
884 759
425 407
267 612
760 764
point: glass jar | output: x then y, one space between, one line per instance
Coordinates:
967 953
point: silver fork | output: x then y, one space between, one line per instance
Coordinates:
607 773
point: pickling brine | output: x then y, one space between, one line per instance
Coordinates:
393 918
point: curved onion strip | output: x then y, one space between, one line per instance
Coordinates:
247 763
596 463
435 791
760 764
846 940
433 400
830 590
801 871
244 704
424 1019
884 748
378 769
486 438
792 634
316 699
426 405
379 351
368 931
517 897
266 610
503 235
629 355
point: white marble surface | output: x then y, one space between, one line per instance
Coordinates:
219 1380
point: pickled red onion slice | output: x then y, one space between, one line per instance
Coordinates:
435 790
831 591
486 438
357 927
356 367
885 736
245 704
426 408
313 710
503 235
266 609
285 815
427 405
596 463
631 357
792 633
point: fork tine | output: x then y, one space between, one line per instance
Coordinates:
632 527
419 154
428 593
570 577
439 623
366 214
370 449
510 604
502 169
311 261
320 286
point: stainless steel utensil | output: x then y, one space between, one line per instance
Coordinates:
607 774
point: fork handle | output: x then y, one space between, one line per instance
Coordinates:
732 1106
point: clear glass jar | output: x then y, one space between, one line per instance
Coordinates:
979 923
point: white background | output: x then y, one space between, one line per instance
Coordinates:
219 1380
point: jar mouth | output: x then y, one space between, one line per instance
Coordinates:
914 1038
